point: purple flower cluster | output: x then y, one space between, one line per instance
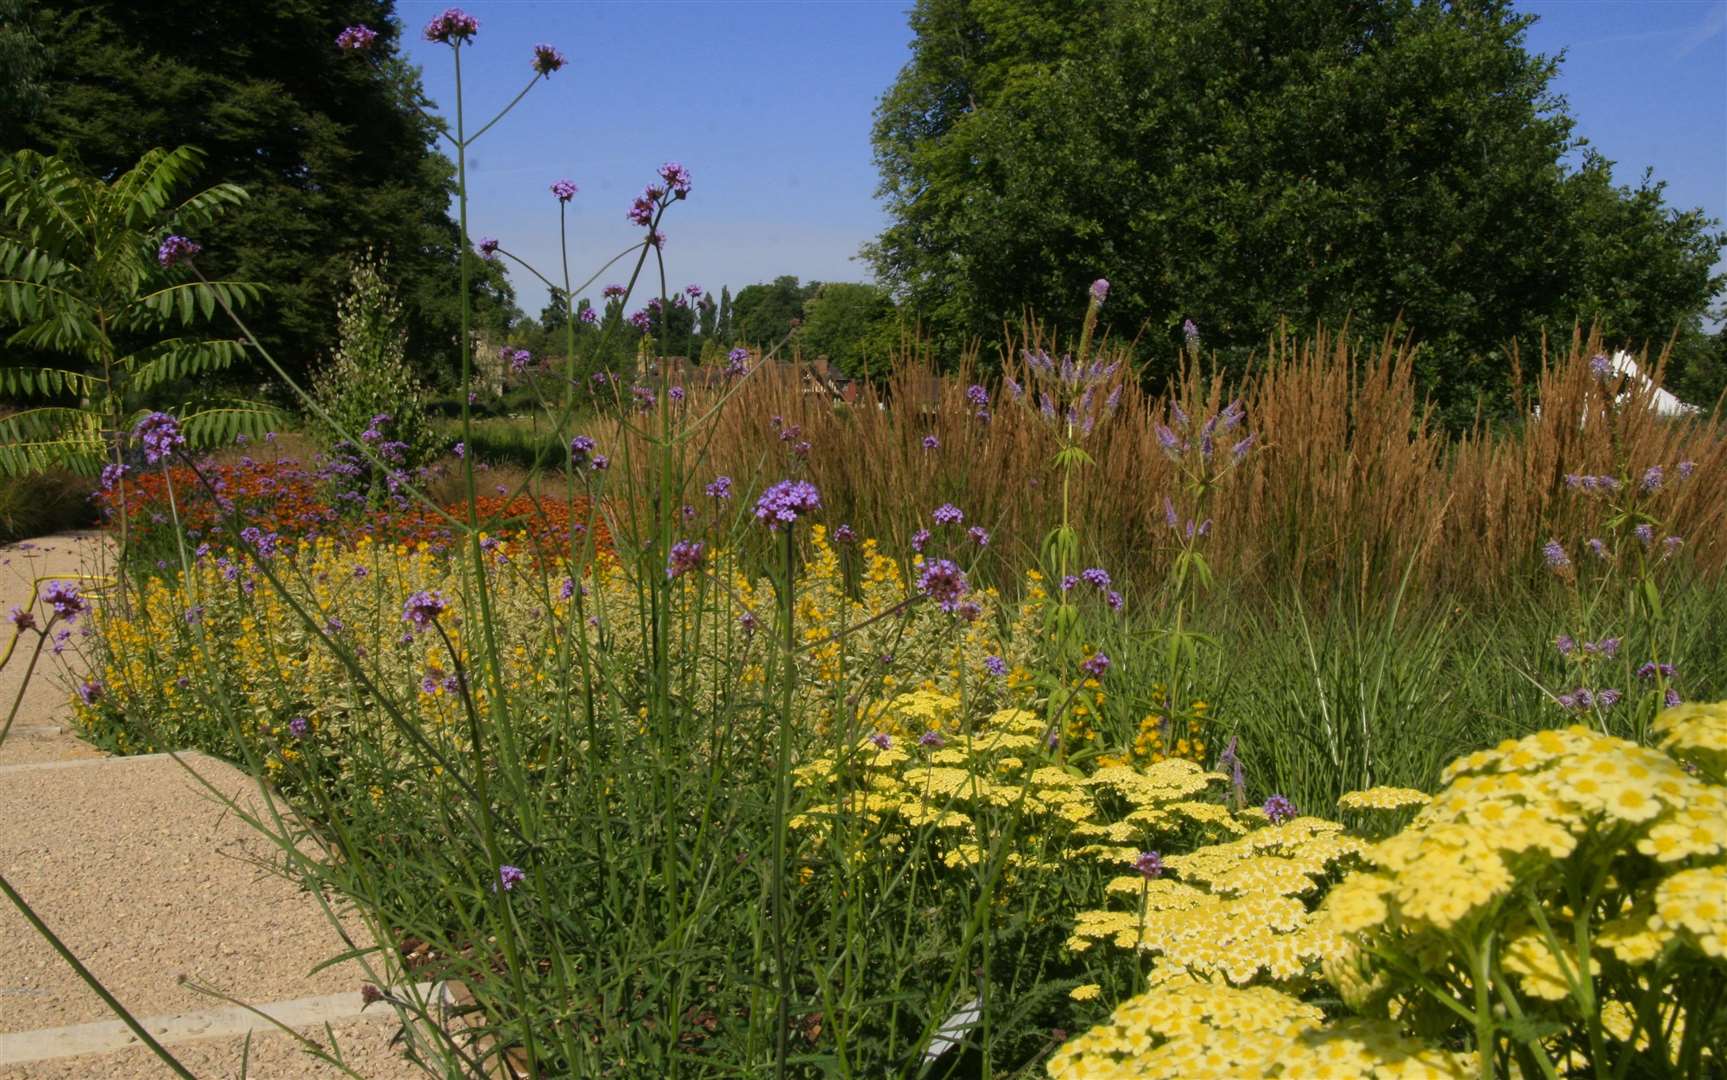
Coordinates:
920 540
932 739
881 740
978 535
948 514
1650 669
786 501
1591 483
423 608
1095 665
547 60
1149 864
160 434
90 690
488 247
518 359
453 27
1206 439
686 556
845 535
1554 552
509 877
1583 699
63 597
1279 809
1099 291
356 38
995 665
299 727
944 582
677 179
721 488
564 190
738 362
930 442
176 248
1599 366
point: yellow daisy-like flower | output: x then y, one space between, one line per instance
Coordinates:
1695 901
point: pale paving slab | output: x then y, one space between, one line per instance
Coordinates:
146 877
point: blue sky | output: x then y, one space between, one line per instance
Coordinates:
769 104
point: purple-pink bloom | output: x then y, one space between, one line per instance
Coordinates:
979 535
1555 555
845 535
882 740
1149 864
299 727
1095 576
1279 809
948 514
944 582
677 178
995 665
90 691
63 597
977 395
721 488
176 248
423 608
1599 366
1100 290
356 38
454 26
930 442
564 190
509 877
686 556
932 739
1095 665
547 60
1652 478
737 362
1645 533
786 501
488 247
919 540
22 620
160 434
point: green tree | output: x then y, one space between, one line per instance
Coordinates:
331 147
81 280
854 326
762 315
1238 161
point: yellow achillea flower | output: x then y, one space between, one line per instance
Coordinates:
1382 798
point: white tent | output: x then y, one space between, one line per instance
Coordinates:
1664 403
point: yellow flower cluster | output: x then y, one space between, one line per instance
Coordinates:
1564 860
1185 1028
1382 798
1236 909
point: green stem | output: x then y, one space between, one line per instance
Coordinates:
782 973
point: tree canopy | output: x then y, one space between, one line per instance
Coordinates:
1235 162
330 148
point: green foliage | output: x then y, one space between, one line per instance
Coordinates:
79 279
1240 162
854 326
763 315
44 503
369 374
333 151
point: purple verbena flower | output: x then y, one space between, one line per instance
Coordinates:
90 690
22 620
1096 577
453 27
920 540
1095 665
1100 290
677 179
1608 698
356 38
63 597
488 247
423 608
977 395
721 488
547 60
299 727
945 583
1149 865
738 362
930 442
932 739
995 665
160 434
1645 533
1279 809
978 535
1565 643
686 555
786 501
948 514
509 877
882 740
564 190
176 248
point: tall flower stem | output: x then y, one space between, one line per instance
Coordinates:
782 766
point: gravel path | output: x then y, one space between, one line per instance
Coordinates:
148 877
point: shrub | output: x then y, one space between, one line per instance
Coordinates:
368 394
